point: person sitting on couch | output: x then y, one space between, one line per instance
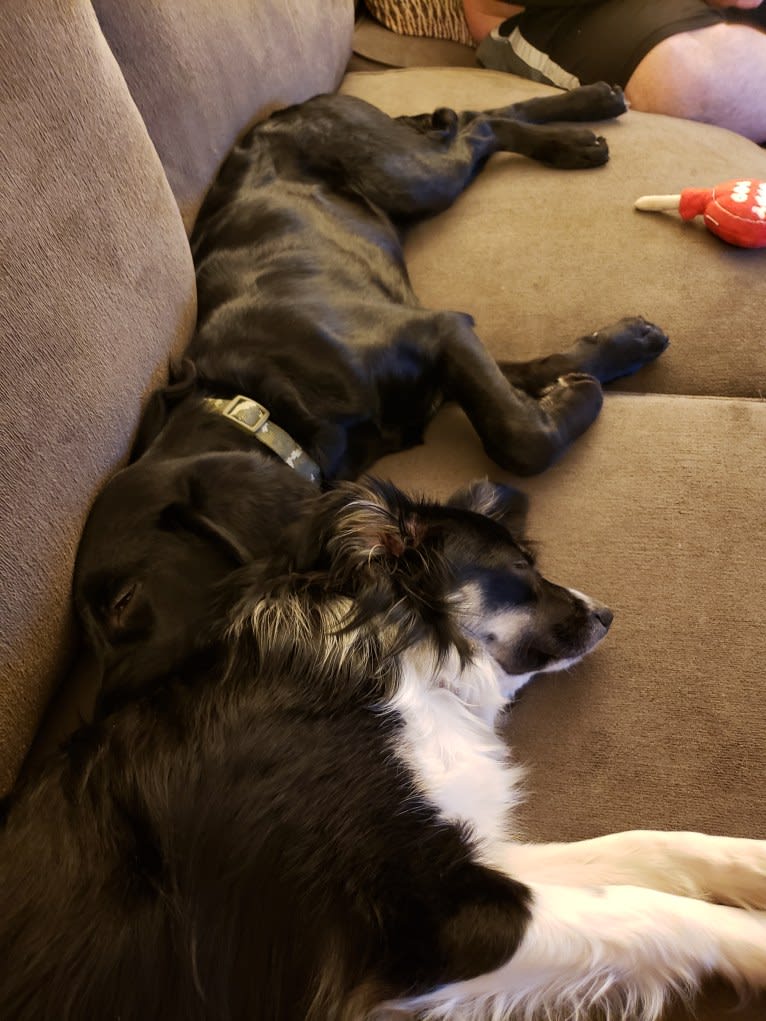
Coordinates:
700 59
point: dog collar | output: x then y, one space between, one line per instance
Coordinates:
253 418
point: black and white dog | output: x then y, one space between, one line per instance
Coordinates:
312 350
312 820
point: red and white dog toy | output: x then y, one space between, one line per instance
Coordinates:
734 210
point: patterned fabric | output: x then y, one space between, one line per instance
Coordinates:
439 19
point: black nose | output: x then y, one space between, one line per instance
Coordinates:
604 615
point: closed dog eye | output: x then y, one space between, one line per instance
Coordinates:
124 597
117 607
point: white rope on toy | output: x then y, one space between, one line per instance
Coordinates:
657 203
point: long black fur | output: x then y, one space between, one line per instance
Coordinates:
241 842
305 305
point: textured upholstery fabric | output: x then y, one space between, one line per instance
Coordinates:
201 70
657 511
96 288
540 256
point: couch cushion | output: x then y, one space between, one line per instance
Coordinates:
540 256
96 286
200 71
657 511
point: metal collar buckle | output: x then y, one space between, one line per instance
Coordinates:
253 418
246 413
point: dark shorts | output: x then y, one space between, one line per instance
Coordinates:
570 46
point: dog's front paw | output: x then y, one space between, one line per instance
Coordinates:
726 870
559 414
738 873
620 349
572 402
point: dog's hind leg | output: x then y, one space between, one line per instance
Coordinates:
608 353
728 870
414 166
559 145
518 128
521 433
594 102
618 951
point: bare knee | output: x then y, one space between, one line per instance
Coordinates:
716 74
680 75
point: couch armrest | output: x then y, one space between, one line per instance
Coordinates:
96 287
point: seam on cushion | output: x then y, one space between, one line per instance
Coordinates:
720 398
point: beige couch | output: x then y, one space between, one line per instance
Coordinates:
113 121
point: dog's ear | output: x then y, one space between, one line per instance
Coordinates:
494 500
244 504
186 516
183 378
374 520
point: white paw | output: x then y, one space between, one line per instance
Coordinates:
741 873
727 870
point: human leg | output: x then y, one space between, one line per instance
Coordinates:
572 45
716 75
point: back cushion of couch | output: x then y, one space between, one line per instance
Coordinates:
96 287
202 70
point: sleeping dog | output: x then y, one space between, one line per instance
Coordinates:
312 819
312 351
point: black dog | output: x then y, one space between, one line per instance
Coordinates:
306 308
311 819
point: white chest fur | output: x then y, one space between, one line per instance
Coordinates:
449 742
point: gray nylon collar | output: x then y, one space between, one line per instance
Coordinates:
254 419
